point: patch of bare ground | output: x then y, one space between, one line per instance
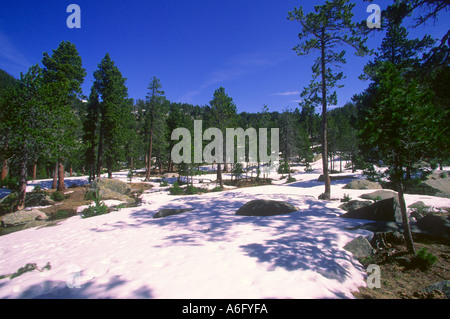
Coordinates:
401 278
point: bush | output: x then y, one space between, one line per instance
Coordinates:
57 196
60 214
346 198
424 259
176 189
291 180
217 189
163 183
94 210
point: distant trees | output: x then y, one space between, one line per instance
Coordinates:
324 30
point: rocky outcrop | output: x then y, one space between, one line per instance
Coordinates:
22 217
380 195
112 189
383 210
261 207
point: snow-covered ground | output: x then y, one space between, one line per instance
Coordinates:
205 253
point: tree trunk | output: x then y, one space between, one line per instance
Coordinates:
219 175
70 170
100 153
22 183
406 226
34 171
61 186
4 169
327 194
55 177
149 161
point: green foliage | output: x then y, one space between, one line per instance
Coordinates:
99 208
164 183
176 189
283 168
424 259
10 183
217 189
346 198
57 196
237 170
27 268
61 214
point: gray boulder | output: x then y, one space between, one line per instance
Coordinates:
22 217
434 226
355 204
112 189
359 247
380 195
261 207
362 184
383 210
170 211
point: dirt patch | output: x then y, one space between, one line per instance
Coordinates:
400 279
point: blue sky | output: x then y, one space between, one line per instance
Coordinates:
192 46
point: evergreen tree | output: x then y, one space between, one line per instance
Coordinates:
223 115
115 113
396 121
155 124
64 67
324 30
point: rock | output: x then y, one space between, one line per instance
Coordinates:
336 177
38 199
419 205
355 204
383 210
434 226
22 217
261 207
359 247
112 189
439 183
170 211
362 184
380 195
443 285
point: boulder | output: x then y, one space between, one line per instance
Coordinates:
420 205
112 189
434 226
262 207
443 285
438 184
362 184
380 195
22 217
355 204
170 211
359 247
38 199
383 210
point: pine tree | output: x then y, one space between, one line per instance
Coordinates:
324 30
223 115
115 112
64 67
154 118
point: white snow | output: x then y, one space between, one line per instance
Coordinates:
205 253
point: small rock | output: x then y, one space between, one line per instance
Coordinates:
443 286
170 211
